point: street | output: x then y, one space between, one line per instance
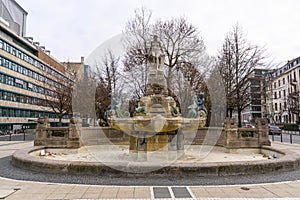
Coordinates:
17 137
286 137
290 137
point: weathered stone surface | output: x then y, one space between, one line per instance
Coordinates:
288 161
64 137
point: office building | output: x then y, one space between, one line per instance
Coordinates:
28 73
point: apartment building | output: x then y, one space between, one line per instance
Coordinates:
28 75
283 93
257 89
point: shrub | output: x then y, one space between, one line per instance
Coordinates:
291 127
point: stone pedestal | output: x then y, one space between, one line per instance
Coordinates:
59 137
246 137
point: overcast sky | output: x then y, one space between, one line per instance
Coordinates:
74 28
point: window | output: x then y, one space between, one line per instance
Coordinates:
274 85
14 51
25 57
275 95
284 93
275 106
280 106
18 113
8 48
19 54
10 81
25 71
27 113
30 73
4 112
278 83
283 81
13 66
284 105
11 112
4 95
22 99
279 94
17 98
19 69
6 63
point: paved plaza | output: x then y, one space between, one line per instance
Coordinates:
22 189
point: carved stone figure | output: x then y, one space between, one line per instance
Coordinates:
157 83
156 53
198 107
114 109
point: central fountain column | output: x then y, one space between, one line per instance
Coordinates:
159 108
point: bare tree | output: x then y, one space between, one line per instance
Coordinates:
108 83
59 97
237 60
180 42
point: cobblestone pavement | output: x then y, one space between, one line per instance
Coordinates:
51 187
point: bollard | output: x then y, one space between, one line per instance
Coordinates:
273 137
291 138
24 135
281 137
9 138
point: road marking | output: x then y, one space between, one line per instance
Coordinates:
180 192
162 192
191 193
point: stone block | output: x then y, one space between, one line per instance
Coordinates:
152 144
132 143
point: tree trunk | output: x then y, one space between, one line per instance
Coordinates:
230 112
60 121
239 111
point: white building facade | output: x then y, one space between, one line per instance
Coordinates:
283 93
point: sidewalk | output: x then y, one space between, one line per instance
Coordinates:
20 190
15 190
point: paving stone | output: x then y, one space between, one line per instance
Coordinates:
109 192
127 192
199 192
90 195
56 196
142 192
6 192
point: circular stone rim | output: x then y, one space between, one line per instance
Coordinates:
288 162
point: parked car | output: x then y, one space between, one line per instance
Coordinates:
274 130
248 126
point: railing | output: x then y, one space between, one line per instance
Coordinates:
287 136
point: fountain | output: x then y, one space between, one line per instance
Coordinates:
154 140
157 120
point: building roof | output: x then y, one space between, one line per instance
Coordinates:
15 2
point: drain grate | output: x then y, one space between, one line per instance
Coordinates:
181 192
161 192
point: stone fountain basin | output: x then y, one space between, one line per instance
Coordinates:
155 124
76 161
